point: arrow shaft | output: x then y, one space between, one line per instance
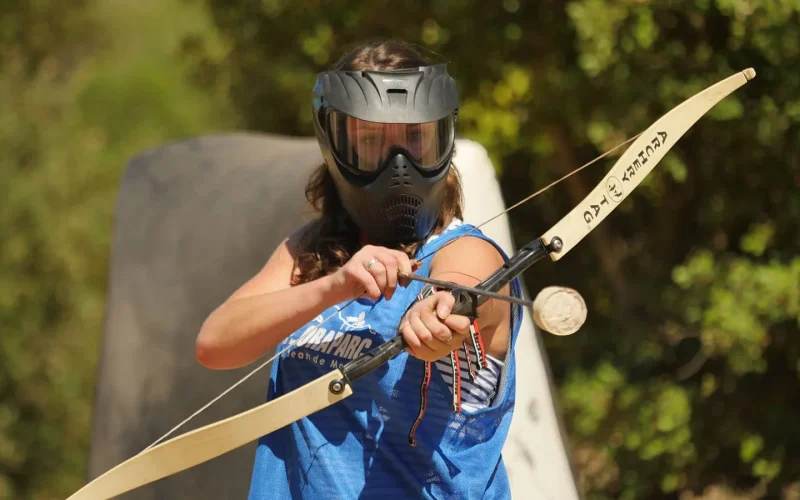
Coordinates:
449 285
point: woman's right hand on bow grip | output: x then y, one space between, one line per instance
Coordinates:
372 271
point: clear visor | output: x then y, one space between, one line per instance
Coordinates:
364 146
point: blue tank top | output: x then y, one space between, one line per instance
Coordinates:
359 447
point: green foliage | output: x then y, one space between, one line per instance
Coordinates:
682 382
692 348
80 98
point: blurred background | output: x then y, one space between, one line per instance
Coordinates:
684 381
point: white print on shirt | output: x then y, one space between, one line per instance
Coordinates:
354 322
319 343
349 323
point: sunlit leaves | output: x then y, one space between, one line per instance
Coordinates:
734 301
727 109
433 33
756 240
317 44
706 251
69 123
494 119
597 23
751 446
649 420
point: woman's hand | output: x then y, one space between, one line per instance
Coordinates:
430 330
373 270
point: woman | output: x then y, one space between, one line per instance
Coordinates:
430 423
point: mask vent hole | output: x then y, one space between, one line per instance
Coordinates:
396 180
397 98
400 213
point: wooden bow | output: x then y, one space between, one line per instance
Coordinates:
205 443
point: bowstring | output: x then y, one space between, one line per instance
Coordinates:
530 197
411 276
241 381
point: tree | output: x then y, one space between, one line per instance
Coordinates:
683 375
79 99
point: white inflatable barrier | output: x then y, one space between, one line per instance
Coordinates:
535 453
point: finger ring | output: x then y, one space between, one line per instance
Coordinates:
369 264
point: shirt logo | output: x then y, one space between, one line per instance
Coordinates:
332 347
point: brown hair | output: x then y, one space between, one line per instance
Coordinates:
330 241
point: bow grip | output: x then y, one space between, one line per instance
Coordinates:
371 360
466 303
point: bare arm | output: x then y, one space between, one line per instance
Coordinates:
466 261
262 312
267 309
469 261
